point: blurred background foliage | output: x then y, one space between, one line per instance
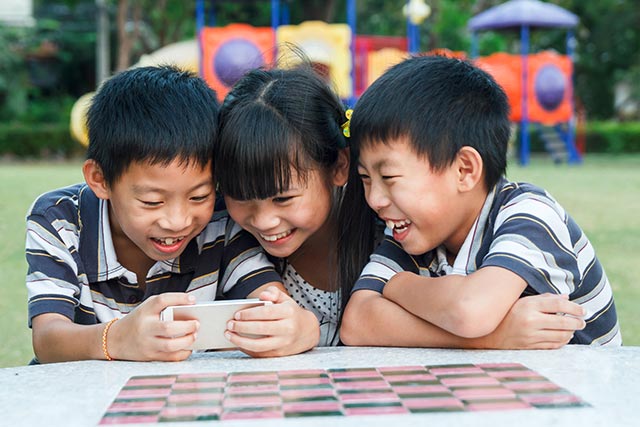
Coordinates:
45 68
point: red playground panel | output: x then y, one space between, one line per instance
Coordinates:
364 45
335 392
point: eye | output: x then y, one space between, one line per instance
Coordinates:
201 198
282 199
363 176
150 203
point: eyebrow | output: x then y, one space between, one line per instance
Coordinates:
378 165
150 189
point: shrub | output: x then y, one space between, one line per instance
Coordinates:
600 137
613 137
26 140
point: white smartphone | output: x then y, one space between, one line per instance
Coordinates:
213 317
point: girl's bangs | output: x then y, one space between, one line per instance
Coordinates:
256 155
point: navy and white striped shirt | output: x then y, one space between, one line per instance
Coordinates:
523 229
74 270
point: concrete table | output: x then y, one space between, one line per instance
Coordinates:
78 393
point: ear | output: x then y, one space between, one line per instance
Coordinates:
94 178
469 168
341 168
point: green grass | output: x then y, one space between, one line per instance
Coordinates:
603 195
20 185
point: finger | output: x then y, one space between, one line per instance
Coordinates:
559 337
175 356
162 301
552 303
177 328
544 339
276 311
256 345
566 308
261 328
560 323
272 294
545 345
177 344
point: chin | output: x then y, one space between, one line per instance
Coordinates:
416 249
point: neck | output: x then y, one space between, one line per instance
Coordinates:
130 255
470 209
316 259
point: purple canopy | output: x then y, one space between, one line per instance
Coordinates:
517 13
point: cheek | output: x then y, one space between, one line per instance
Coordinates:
238 213
205 212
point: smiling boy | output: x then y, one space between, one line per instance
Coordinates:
463 243
141 233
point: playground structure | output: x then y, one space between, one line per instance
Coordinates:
539 86
349 61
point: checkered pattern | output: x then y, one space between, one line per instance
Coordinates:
335 392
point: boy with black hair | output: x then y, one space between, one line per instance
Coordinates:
141 233
463 244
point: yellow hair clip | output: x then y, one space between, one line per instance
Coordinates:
345 126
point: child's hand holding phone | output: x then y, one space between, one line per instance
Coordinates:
277 329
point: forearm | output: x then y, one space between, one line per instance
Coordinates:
468 306
372 320
435 300
58 339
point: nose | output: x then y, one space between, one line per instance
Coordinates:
176 217
263 218
376 196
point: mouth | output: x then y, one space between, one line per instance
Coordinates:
275 237
398 226
168 241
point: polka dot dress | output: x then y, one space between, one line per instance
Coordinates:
323 304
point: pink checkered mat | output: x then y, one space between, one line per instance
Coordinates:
335 392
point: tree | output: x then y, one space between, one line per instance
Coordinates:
607 52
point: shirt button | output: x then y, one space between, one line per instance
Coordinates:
133 299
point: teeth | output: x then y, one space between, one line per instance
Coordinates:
398 225
170 240
274 237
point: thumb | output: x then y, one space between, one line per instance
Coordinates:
275 295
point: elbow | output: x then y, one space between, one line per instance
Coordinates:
40 347
466 319
349 333
352 327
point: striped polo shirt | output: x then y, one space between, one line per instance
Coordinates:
523 229
73 268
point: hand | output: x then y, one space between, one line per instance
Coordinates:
142 336
544 321
283 328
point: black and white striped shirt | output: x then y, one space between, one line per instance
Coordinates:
74 271
523 229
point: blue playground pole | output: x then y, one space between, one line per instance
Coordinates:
474 45
285 17
212 14
524 121
199 16
413 36
275 14
351 20
275 22
574 156
199 27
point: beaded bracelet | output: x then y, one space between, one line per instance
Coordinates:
104 339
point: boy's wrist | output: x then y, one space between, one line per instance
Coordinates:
105 340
